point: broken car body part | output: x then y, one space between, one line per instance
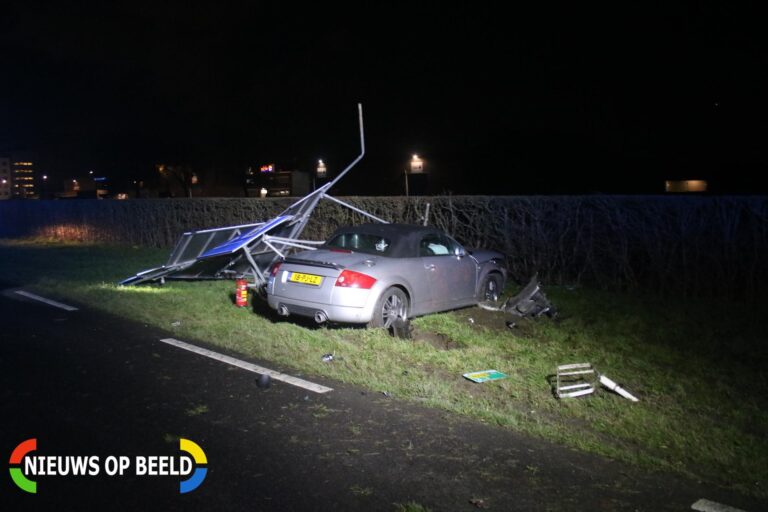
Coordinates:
529 302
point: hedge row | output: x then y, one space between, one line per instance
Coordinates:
694 245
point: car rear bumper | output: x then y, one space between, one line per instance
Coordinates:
321 312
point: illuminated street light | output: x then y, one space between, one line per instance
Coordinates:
321 169
417 165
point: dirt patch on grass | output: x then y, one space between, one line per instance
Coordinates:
437 340
497 321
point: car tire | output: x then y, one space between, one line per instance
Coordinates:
391 305
491 289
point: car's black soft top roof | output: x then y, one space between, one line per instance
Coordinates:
404 238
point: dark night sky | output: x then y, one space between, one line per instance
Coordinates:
563 99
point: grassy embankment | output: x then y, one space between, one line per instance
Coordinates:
696 365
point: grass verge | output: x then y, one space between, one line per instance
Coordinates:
696 364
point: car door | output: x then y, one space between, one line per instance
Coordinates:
450 273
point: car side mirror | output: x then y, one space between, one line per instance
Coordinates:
459 252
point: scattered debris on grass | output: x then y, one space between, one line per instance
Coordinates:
327 358
579 379
176 323
484 376
531 301
608 383
574 380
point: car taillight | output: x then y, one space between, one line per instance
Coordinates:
352 279
275 268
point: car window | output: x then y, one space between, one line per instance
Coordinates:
360 242
436 245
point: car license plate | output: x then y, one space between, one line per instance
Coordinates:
298 277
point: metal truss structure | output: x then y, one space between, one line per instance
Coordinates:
248 250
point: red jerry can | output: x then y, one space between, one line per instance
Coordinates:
241 293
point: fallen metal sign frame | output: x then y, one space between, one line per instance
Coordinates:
573 380
249 249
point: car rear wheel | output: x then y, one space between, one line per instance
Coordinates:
491 290
391 306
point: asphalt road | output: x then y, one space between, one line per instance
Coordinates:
89 384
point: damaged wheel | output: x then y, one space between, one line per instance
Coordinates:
491 289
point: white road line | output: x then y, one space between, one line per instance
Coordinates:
311 386
712 506
47 301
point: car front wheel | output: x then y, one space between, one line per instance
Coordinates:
392 304
491 290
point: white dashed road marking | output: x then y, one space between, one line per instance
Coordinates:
712 506
288 379
47 301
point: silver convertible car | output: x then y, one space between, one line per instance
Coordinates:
376 273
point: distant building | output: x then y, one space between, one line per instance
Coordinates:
277 182
23 179
5 178
682 186
18 178
93 188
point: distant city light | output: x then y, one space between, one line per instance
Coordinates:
685 186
